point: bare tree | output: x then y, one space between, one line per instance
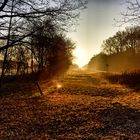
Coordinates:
16 24
52 52
127 40
26 13
131 15
3 4
8 41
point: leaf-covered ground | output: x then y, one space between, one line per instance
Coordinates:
86 107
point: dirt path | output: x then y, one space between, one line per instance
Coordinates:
86 107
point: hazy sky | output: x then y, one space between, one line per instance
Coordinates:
96 24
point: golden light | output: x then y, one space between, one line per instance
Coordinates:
80 57
78 52
59 86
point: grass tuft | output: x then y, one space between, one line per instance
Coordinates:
130 78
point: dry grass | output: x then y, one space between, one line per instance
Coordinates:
130 79
87 107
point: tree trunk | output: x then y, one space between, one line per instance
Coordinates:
38 86
3 67
8 40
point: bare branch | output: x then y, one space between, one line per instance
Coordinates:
3 5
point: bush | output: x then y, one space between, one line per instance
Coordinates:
130 78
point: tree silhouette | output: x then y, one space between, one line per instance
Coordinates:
3 4
52 51
131 14
123 41
26 13
17 17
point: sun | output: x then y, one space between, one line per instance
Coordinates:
79 57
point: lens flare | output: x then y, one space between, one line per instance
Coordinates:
59 86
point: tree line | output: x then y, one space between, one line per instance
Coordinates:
124 45
123 41
33 32
129 39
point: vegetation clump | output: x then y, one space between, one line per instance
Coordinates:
129 78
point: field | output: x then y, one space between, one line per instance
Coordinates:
83 107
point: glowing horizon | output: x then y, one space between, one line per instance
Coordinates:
96 24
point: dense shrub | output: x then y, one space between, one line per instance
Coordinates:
130 78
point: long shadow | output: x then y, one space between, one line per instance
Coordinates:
120 120
37 118
116 119
18 88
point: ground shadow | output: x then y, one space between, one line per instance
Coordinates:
37 118
120 120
